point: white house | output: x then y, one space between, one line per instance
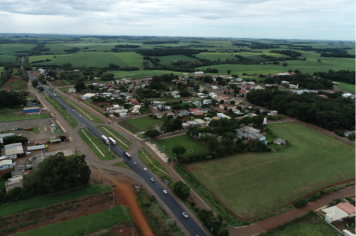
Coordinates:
284 82
88 95
5 164
222 115
250 133
199 73
293 86
207 101
299 92
272 113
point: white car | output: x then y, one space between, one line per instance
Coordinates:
145 169
165 191
153 180
27 153
135 163
185 215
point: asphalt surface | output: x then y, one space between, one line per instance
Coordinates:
190 225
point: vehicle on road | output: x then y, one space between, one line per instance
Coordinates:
54 95
145 169
127 154
73 110
80 115
153 180
112 141
185 215
165 191
135 163
37 147
105 139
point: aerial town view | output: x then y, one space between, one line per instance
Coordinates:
171 118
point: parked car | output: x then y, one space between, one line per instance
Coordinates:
165 191
27 153
153 180
185 215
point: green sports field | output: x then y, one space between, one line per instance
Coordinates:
346 87
192 146
95 59
144 123
255 184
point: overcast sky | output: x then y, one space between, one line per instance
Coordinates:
298 19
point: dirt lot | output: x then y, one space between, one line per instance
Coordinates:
15 83
79 207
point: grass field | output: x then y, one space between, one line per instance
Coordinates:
255 184
96 145
7 58
192 146
122 164
15 84
144 123
4 117
63 112
82 225
167 60
139 74
11 48
85 113
311 226
95 59
347 87
43 201
120 140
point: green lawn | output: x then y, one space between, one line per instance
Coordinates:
95 59
80 109
347 87
255 184
82 225
167 60
144 123
122 164
119 138
311 226
192 146
62 111
43 201
97 146
4 117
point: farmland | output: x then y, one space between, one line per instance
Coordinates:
255 184
167 60
347 87
96 145
137 74
192 146
15 84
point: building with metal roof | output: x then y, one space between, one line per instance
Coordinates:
13 149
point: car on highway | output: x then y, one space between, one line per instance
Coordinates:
185 215
145 169
135 163
73 110
165 191
153 180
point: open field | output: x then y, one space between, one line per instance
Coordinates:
11 116
43 201
255 184
97 59
347 87
119 138
167 60
11 48
87 224
139 74
97 146
144 123
15 84
311 226
7 58
81 110
62 111
192 146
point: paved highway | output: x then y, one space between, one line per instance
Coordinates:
191 226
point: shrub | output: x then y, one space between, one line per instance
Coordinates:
314 197
301 203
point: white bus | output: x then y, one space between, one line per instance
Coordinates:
112 141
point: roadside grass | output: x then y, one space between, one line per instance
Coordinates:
347 87
265 182
191 146
96 145
64 89
119 138
5 117
313 225
82 225
87 114
62 111
154 165
144 123
122 164
47 200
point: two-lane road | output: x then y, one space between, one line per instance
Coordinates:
190 225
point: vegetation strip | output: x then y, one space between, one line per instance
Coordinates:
93 143
153 164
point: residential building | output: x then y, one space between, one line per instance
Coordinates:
228 106
299 92
272 113
199 73
5 164
72 90
192 123
227 91
222 115
207 101
293 86
250 133
88 95
197 103
14 149
279 141
200 122
184 113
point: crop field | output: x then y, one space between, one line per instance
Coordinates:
11 48
139 74
7 58
255 184
311 226
82 225
100 149
6 116
249 69
81 110
119 138
347 87
144 123
62 111
15 84
191 146
47 200
95 59
1 69
167 60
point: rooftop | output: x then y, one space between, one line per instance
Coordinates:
15 148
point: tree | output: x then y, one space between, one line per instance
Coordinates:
228 72
179 150
181 190
319 60
34 83
301 203
153 133
79 86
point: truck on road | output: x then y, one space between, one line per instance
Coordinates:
54 95
105 139
112 141
127 154
38 147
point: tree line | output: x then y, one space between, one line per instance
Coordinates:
341 75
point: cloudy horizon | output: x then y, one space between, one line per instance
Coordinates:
277 19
